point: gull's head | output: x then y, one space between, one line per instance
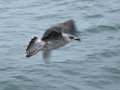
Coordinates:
70 37
74 38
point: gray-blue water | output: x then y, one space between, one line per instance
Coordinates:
92 64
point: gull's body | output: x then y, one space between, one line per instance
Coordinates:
55 37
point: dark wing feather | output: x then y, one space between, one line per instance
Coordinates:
52 33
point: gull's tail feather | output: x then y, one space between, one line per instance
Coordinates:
33 47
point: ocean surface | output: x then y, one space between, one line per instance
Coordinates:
92 64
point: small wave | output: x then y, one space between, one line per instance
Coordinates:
114 10
94 16
70 72
112 70
12 87
100 28
106 54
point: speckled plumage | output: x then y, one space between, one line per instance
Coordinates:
54 37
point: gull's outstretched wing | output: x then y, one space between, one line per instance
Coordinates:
69 27
33 47
57 30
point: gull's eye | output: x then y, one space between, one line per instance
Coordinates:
71 37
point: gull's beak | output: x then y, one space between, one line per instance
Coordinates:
78 39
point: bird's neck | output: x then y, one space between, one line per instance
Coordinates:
66 37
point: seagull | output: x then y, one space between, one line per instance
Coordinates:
55 37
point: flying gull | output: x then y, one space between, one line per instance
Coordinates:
54 37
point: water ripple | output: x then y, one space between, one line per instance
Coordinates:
100 28
92 64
